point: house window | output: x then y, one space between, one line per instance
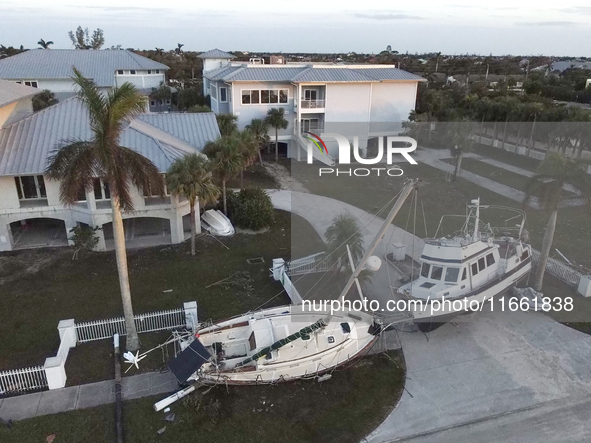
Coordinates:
120 71
101 190
264 96
152 103
32 84
451 275
213 91
223 95
30 187
149 71
132 72
157 71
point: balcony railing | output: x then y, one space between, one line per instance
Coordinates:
312 128
312 104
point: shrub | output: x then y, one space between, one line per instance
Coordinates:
250 209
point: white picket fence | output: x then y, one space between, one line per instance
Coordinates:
52 375
154 321
312 263
562 271
22 380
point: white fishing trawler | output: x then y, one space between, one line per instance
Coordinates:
468 267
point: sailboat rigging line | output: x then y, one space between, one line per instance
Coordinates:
371 219
424 218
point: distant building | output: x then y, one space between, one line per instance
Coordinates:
354 100
53 70
564 65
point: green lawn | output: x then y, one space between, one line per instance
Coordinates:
500 175
343 409
255 176
44 286
521 161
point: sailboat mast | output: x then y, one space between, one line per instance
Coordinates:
477 221
408 188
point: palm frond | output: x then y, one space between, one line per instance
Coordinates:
75 166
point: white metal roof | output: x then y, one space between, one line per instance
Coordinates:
11 92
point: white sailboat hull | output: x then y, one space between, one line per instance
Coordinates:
325 349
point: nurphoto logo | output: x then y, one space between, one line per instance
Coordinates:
400 145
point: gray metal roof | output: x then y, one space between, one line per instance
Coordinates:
263 74
11 92
100 66
303 74
388 74
215 53
332 75
26 144
195 129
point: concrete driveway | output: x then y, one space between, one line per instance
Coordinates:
493 376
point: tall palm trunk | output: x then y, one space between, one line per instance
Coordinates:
224 195
260 156
276 145
242 178
193 221
532 141
545 252
132 341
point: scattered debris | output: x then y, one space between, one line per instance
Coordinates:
167 290
240 279
167 410
161 430
324 378
8 423
255 261
50 438
170 417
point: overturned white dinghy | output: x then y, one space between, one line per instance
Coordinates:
216 223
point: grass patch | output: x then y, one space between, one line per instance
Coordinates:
255 176
341 410
531 164
499 175
44 286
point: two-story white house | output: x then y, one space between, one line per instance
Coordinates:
366 101
52 70
31 213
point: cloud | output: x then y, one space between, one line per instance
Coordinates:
548 23
388 16
585 10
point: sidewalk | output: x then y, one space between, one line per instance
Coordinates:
85 396
432 157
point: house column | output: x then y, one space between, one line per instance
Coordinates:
177 233
6 240
70 224
101 245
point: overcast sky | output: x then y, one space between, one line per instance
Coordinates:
449 26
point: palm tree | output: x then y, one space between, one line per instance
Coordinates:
458 136
190 176
344 231
555 172
276 119
227 123
44 44
249 148
227 160
79 162
259 129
